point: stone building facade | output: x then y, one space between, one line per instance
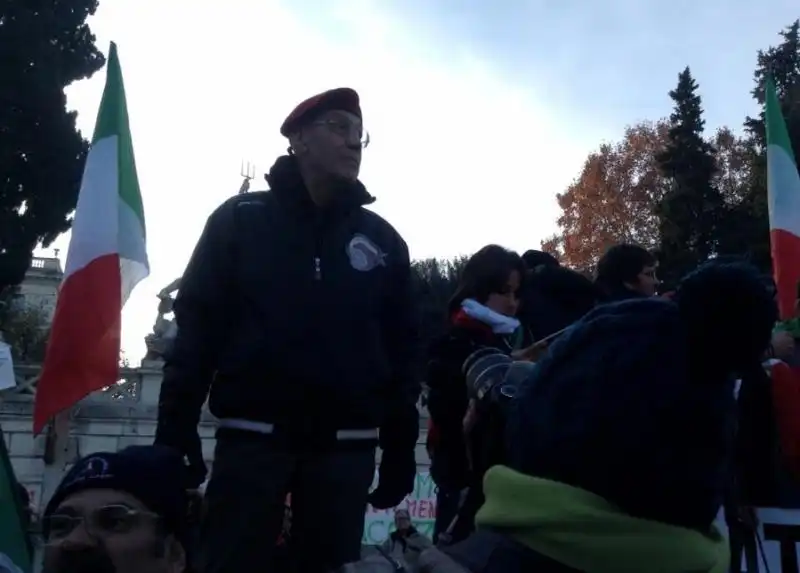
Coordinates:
40 287
107 420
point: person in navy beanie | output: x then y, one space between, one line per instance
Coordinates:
123 511
620 442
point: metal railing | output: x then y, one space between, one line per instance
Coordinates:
125 390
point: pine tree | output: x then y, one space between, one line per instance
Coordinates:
745 229
689 209
45 47
783 64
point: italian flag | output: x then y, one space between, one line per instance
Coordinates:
105 260
783 199
13 545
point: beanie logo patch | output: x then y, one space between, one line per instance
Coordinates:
92 468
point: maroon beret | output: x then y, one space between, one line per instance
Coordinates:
344 99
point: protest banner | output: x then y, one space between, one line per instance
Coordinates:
7 378
421 505
778 530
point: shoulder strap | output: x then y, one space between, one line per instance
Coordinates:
398 567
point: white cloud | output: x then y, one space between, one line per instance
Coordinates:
459 158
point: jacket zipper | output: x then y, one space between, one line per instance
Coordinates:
319 231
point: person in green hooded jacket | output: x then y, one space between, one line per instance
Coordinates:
620 441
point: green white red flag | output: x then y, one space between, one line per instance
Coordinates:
106 259
783 196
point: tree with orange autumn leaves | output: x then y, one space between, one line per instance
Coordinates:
615 198
612 200
621 193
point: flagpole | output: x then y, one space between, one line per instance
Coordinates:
56 458
56 455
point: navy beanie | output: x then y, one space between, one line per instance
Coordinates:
614 410
635 402
152 474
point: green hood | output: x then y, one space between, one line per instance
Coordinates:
583 531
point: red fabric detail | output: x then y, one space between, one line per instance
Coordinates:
786 404
345 99
462 320
785 249
83 349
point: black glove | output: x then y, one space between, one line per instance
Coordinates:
188 444
396 477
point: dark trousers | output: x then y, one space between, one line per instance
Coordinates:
446 510
743 544
448 507
245 506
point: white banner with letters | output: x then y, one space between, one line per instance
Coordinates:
420 504
778 541
7 379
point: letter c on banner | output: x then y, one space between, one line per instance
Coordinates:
376 532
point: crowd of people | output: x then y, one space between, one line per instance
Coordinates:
576 424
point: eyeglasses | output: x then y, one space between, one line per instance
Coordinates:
345 129
103 521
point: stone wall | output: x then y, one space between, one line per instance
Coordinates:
40 287
104 421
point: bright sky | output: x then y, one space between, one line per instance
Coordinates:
478 114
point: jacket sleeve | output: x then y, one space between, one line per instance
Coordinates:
447 397
200 310
400 333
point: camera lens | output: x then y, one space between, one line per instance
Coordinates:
484 370
490 372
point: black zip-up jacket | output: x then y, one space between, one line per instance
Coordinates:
448 399
275 317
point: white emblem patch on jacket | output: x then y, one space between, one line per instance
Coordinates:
364 255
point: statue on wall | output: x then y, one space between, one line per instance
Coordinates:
248 171
164 329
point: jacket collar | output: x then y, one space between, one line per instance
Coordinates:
285 181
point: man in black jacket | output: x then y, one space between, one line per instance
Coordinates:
296 311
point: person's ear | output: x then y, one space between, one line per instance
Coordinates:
175 555
297 142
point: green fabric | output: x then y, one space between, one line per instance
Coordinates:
12 532
518 338
792 326
583 531
112 120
